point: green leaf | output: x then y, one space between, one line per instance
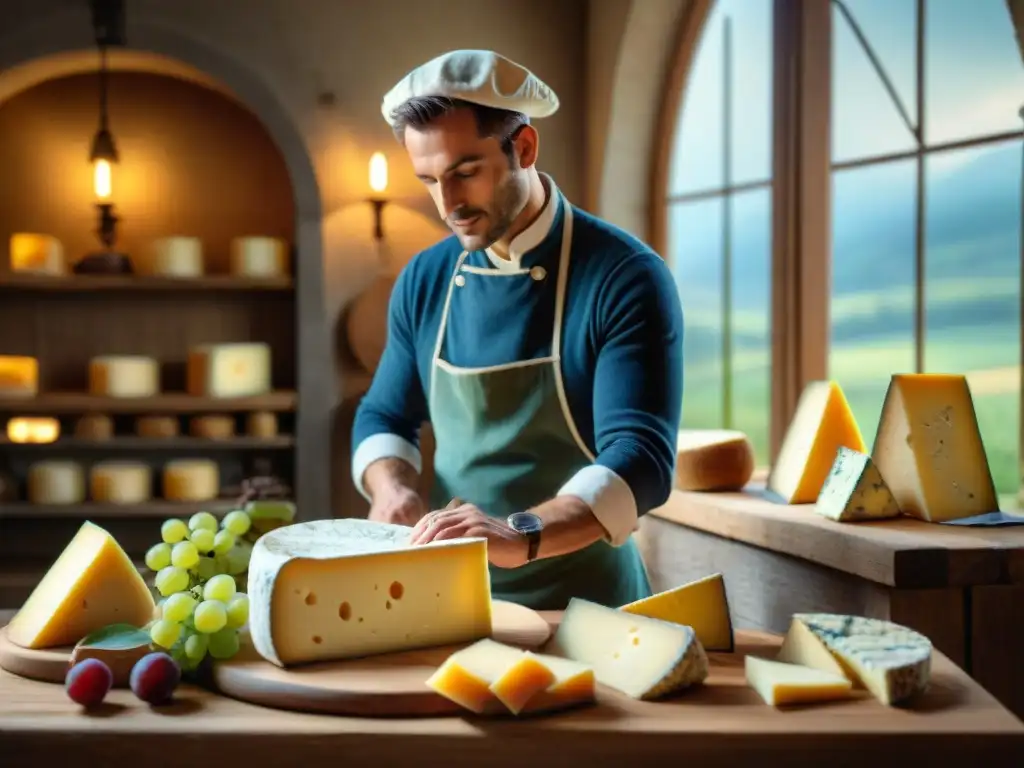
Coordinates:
116 637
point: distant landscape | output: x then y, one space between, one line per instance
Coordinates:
972 292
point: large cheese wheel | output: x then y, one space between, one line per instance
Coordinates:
229 370
191 480
121 482
56 482
713 460
124 376
261 424
213 426
177 257
258 257
94 426
157 427
366 323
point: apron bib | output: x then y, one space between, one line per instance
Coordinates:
506 442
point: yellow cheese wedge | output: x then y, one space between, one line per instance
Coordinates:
713 460
779 683
929 450
91 585
701 604
823 422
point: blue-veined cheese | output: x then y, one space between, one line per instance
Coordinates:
855 490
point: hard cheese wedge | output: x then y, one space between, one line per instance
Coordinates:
929 450
855 490
641 657
822 424
713 460
701 604
779 683
337 589
891 661
91 585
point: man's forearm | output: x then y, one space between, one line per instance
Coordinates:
390 475
569 525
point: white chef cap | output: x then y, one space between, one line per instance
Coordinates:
481 77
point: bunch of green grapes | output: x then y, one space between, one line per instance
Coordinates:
198 567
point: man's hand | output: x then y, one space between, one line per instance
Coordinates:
505 547
401 506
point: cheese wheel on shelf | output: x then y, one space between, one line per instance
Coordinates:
259 257
56 482
191 480
124 376
713 460
37 254
213 426
157 427
94 426
19 376
120 482
262 424
177 257
229 370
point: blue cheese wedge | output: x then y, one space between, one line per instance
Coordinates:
855 490
892 662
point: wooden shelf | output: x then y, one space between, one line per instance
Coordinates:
171 402
157 508
86 283
133 443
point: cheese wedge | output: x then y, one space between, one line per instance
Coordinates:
641 657
855 490
91 585
713 460
891 661
929 449
779 683
823 422
701 604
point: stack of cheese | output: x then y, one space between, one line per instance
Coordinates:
928 460
63 482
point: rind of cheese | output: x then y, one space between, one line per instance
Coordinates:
19 376
893 662
177 257
37 254
779 683
229 370
121 482
157 427
713 460
929 448
124 376
91 585
213 426
701 604
336 589
261 424
641 657
258 257
823 422
94 426
191 480
56 482
855 490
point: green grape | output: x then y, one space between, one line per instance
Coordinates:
202 521
179 606
238 610
210 616
223 542
173 531
238 558
195 646
203 538
224 644
185 555
237 522
165 633
170 580
206 569
220 587
158 556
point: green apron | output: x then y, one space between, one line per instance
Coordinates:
506 442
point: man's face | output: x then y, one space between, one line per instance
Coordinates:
477 191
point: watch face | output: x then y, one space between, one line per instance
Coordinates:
525 522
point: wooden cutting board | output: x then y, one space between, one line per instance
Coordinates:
390 685
49 665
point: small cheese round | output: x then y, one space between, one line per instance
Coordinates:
213 427
258 257
177 257
191 480
124 376
121 482
261 424
94 426
713 460
157 427
56 482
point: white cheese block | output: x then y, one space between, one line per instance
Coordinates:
344 588
891 661
855 490
229 370
258 257
94 426
124 376
177 257
641 657
713 460
56 482
19 376
261 424
37 254
157 427
779 683
120 482
212 426
191 480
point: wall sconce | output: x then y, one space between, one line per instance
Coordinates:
378 183
25 429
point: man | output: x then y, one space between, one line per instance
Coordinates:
543 344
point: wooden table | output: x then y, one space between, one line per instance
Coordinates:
722 723
963 587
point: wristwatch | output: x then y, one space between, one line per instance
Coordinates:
529 525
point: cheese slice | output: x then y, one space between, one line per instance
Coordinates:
344 588
91 585
229 370
701 604
19 376
713 460
779 683
124 376
641 657
855 490
822 424
929 449
891 661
